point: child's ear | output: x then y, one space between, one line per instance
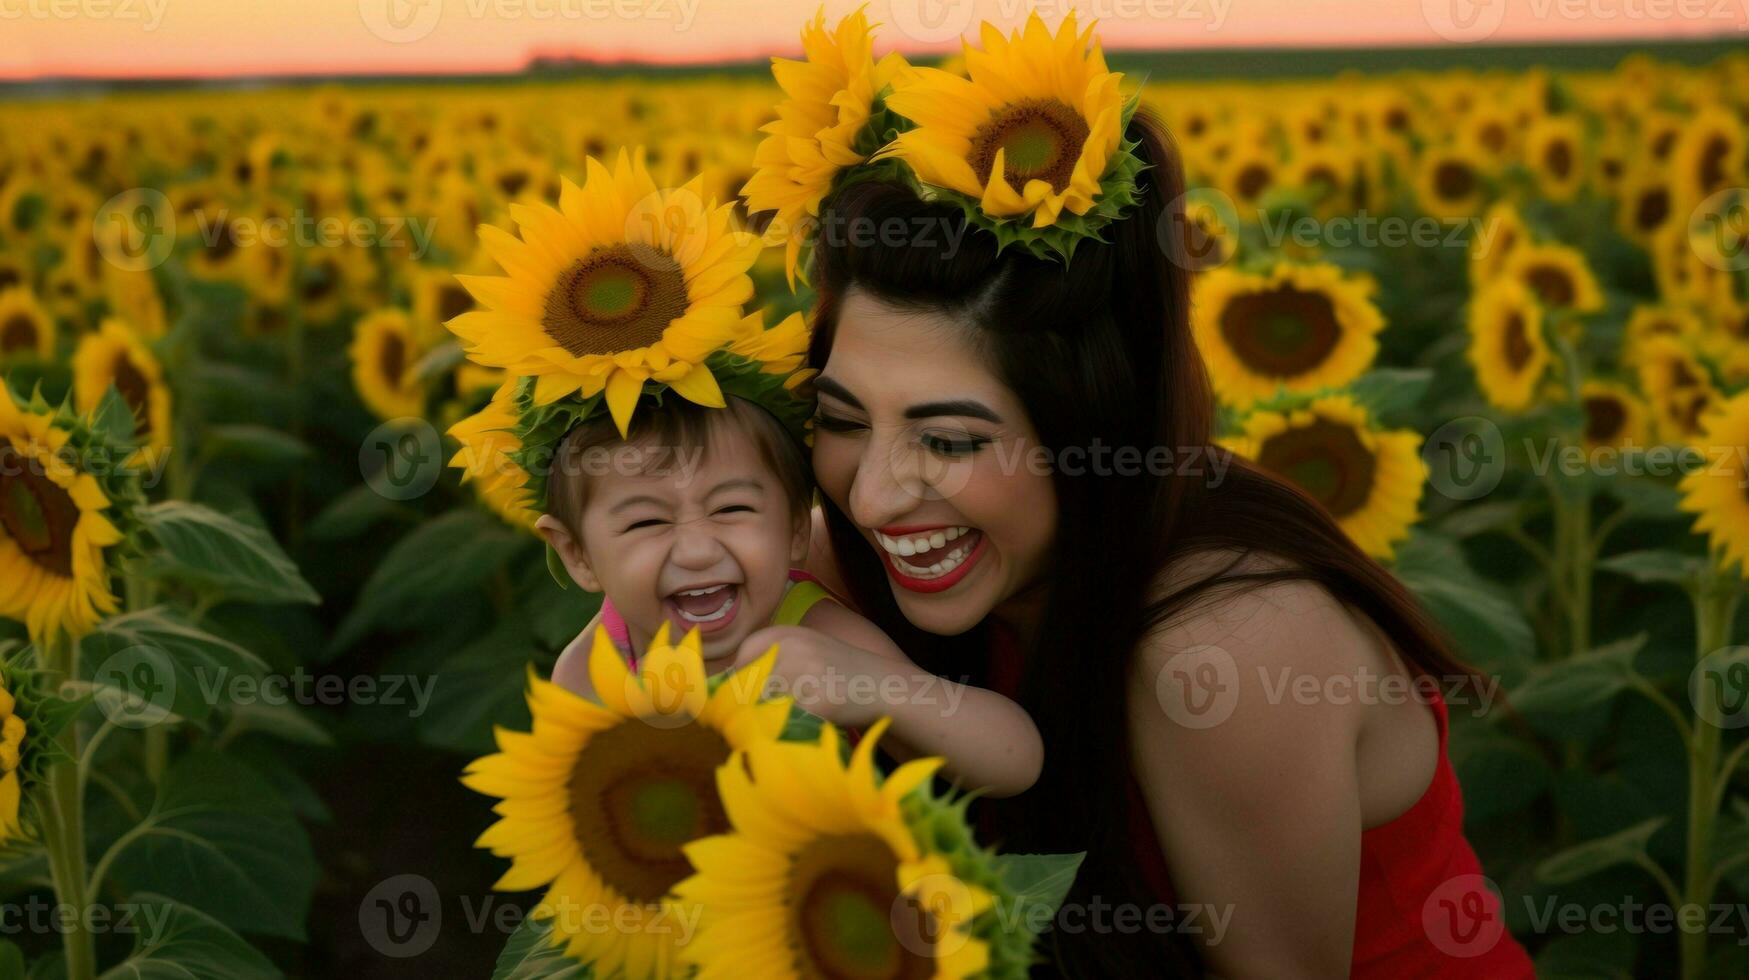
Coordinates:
570 551
801 535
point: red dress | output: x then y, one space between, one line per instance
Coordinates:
1424 908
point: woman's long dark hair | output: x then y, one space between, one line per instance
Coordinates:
1100 353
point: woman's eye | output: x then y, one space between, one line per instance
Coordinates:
835 423
945 446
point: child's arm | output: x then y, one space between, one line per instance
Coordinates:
845 669
572 670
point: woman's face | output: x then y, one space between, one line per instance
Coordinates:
935 461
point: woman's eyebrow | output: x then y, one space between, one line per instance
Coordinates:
963 406
836 390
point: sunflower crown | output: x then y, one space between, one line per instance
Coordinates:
1029 145
623 296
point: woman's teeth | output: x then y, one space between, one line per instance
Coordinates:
929 546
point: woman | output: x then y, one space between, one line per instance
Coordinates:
1120 579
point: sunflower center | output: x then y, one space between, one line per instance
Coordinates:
848 910
1493 137
638 794
1604 418
1325 459
9 277
1559 158
1040 139
1454 181
1712 163
616 298
223 244
453 302
135 390
19 333
1253 181
1282 332
1654 207
1516 342
36 513
1553 286
392 359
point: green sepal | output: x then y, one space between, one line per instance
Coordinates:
556 568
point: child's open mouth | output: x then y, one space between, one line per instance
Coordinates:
709 608
930 559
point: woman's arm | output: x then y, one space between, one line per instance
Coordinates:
845 669
1253 790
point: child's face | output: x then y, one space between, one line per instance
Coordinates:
706 542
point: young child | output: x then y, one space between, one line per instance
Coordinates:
698 520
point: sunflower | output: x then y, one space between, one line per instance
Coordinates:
1558 275
53 529
1708 155
437 299
1490 133
114 355
1322 173
1248 174
1507 347
601 298
1645 204
1369 480
599 799
488 437
1451 182
1501 232
25 327
1299 327
1614 416
828 101
385 350
133 296
12 734
1553 151
1037 128
1716 492
824 876
1678 386
1648 321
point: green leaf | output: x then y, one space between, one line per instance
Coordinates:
531 953
482 687
1654 567
129 655
1500 774
1392 393
452 554
1474 519
11 959
1643 496
286 722
176 942
219 838
1581 682
1488 629
1585 859
1040 883
255 444
222 557
354 512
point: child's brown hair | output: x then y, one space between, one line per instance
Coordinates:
677 426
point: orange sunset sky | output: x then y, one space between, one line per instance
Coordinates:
132 38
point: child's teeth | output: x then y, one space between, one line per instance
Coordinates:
937 539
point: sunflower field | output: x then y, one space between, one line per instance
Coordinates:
260 606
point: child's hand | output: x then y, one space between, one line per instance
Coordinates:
844 685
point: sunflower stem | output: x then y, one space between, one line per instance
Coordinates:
64 824
1715 607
